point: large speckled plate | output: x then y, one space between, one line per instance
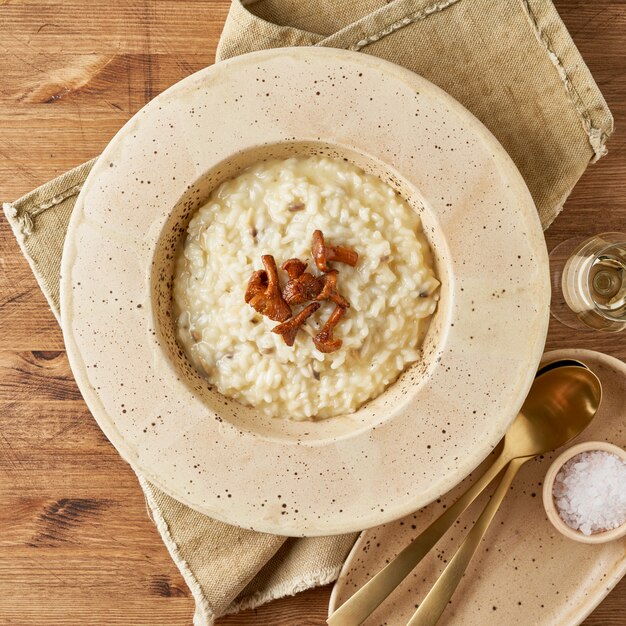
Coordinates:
525 572
430 428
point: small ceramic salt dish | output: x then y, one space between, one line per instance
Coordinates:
552 508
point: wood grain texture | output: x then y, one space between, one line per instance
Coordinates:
77 546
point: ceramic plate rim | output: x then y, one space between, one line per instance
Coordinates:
106 422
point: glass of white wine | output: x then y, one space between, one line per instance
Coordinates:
589 282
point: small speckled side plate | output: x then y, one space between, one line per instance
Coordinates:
429 429
525 572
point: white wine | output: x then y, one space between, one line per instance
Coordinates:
607 281
593 282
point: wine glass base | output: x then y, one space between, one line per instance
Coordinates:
561 259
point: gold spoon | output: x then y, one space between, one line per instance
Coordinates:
578 398
561 403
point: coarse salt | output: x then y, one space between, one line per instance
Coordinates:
590 492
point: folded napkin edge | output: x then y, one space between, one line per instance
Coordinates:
17 226
291 587
598 131
204 615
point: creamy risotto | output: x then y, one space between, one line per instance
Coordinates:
273 208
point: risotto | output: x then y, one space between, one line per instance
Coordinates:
274 208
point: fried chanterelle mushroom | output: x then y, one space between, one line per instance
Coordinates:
324 340
263 292
302 286
329 291
290 328
323 253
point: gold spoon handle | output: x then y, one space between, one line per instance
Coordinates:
435 602
363 603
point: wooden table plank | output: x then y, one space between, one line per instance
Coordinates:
77 546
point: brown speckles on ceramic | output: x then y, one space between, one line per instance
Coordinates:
525 571
423 434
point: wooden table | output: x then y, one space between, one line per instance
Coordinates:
76 545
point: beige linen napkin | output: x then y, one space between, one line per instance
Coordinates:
511 62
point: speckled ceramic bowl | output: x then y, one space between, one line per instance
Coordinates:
548 498
424 433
